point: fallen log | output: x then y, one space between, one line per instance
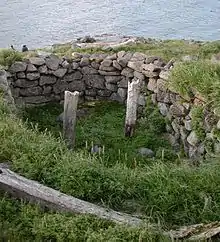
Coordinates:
32 191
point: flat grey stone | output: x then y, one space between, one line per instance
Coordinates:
146 152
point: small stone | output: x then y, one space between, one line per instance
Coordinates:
111 87
43 69
139 75
37 61
90 92
84 62
33 76
37 99
128 72
142 100
95 81
104 93
88 70
123 61
18 66
121 54
60 72
218 125
106 63
151 67
47 90
107 68
116 97
52 62
75 65
21 75
109 73
122 93
138 57
25 83
112 57
95 65
136 65
47 80
96 149
192 139
77 75
146 152
188 125
116 65
163 108
113 79
152 85
123 83
65 64
164 75
60 86
31 68
162 85
188 58
178 110
31 91
77 86
150 74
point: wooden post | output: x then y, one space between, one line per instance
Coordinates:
132 103
69 117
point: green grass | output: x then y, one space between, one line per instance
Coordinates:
165 192
9 56
166 49
105 127
24 222
201 77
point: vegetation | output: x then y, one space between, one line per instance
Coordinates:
197 77
9 56
166 49
162 192
104 127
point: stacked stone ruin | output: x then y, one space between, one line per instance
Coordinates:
39 80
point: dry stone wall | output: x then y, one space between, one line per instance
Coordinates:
105 77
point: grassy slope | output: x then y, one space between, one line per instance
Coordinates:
174 194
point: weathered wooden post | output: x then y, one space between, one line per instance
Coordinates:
134 88
69 117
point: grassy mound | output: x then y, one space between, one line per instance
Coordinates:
201 76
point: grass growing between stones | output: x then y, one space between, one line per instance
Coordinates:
167 193
166 49
203 77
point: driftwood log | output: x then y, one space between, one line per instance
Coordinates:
20 187
34 192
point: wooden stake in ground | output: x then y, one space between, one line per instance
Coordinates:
132 103
69 117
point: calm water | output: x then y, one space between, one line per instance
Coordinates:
39 23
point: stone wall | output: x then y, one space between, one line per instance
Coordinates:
105 77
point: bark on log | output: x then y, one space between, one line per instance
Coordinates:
34 192
69 120
132 103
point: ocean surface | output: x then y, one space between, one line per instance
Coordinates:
40 23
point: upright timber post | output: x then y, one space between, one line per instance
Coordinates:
134 88
69 118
